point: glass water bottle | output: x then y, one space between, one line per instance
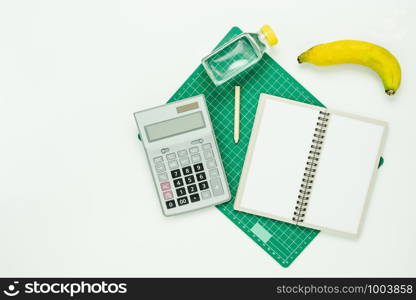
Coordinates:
238 54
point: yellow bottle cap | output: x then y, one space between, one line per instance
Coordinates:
269 35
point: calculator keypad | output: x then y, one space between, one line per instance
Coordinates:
158 160
182 153
194 198
208 154
216 187
206 146
175 173
165 186
214 173
198 167
180 192
178 182
173 164
170 204
189 179
192 188
206 194
196 158
163 177
201 176
160 168
194 150
171 156
203 185
168 195
211 164
187 170
184 161
193 172
183 201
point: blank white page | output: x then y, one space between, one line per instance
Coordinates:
276 157
349 158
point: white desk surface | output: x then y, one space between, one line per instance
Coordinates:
76 196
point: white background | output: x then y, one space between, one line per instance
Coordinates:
76 196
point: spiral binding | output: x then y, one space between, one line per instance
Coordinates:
310 169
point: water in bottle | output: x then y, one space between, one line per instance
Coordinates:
238 54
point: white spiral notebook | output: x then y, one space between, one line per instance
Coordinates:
310 166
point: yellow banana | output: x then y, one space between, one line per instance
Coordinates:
357 52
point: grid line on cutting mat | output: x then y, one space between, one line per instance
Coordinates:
287 241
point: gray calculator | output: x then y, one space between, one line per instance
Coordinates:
183 155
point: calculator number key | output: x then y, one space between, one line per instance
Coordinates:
189 179
180 192
178 182
175 173
183 201
203 185
170 204
187 170
192 188
198 167
201 176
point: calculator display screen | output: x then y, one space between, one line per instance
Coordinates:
172 127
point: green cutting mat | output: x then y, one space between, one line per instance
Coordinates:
284 242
